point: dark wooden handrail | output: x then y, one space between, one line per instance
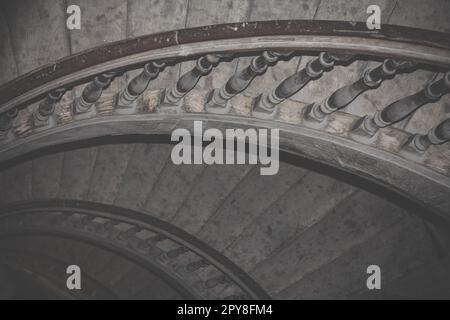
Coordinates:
120 49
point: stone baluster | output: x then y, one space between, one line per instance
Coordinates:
196 265
265 104
342 97
189 80
139 83
217 101
213 282
92 92
6 120
419 143
174 253
46 107
402 108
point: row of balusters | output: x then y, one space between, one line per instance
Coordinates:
266 105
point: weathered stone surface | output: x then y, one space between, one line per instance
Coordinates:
354 220
353 10
283 9
211 189
422 14
145 165
195 101
174 184
36 26
101 22
247 201
305 204
8 65
146 17
291 111
110 165
47 172
396 250
76 173
438 158
21 189
208 12
429 116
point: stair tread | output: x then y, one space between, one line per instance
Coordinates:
253 195
110 165
173 185
395 250
47 172
210 191
145 166
354 220
17 182
308 201
76 173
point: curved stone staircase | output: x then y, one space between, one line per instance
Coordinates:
87 178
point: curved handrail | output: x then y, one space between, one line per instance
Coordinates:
424 46
144 222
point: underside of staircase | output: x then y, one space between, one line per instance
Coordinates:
86 176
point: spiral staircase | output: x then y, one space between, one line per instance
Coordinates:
86 176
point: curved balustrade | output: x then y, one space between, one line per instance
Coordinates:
139 83
6 121
342 97
92 92
438 135
404 107
265 104
47 107
187 82
217 101
212 45
83 220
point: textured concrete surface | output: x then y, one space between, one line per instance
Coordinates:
76 173
213 187
431 15
352 220
346 272
173 186
146 164
101 22
353 10
47 176
35 26
246 202
7 61
110 165
306 203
